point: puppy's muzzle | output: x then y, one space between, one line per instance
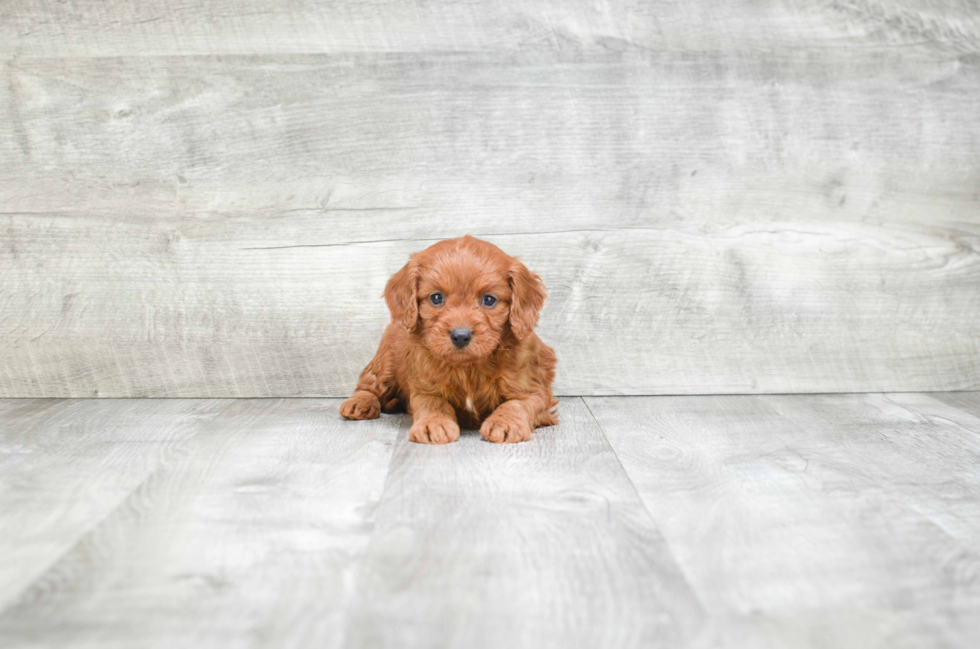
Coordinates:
461 337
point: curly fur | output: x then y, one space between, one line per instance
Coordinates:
500 382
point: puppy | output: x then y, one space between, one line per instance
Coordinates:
461 347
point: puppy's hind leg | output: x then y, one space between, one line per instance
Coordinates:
376 382
392 406
515 419
547 417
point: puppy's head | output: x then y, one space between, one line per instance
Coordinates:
463 297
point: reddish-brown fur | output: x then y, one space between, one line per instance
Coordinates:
500 382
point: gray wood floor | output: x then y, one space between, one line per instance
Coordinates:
846 520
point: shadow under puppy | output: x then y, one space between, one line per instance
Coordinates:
461 347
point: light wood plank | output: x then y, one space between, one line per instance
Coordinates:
931 458
196 226
66 465
505 140
800 521
541 544
797 520
247 537
742 310
968 402
92 28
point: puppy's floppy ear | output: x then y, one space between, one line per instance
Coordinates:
401 295
527 298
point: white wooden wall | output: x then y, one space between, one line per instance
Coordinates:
205 199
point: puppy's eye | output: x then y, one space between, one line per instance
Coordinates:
489 300
436 299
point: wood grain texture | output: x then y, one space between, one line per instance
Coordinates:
497 139
705 221
826 522
930 460
66 465
154 27
811 521
245 537
541 544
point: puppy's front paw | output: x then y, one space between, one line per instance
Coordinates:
504 428
434 430
363 405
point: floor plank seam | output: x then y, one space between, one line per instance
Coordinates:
612 449
18 599
347 618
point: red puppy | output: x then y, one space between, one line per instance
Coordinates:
461 347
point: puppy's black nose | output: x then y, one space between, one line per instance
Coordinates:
461 337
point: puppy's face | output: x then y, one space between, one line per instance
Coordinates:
463 296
